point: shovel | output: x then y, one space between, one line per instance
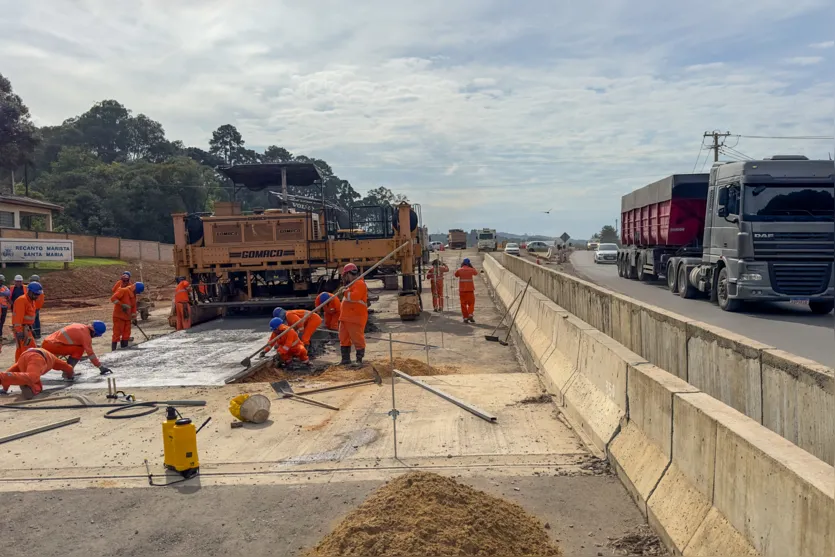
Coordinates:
286 391
492 337
513 321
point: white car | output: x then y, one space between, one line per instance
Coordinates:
512 249
606 253
435 246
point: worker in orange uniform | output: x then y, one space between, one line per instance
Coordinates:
310 325
23 318
124 313
182 304
75 340
5 304
289 346
436 282
466 289
123 282
330 310
354 315
29 368
36 328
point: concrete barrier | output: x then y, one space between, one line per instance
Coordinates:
710 480
765 384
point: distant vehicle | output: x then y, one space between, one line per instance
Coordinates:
523 245
537 246
592 246
606 253
457 239
750 231
512 249
486 239
435 246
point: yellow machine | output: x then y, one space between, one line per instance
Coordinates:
237 260
180 444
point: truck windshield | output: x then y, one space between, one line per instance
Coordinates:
485 236
790 202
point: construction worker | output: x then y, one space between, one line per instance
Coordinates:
28 369
36 329
123 282
353 315
331 310
288 346
436 281
5 302
182 304
17 290
466 289
124 313
23 318
306 329
75 340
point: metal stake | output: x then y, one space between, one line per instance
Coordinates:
394 411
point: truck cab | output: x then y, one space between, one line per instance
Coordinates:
768 234
487 240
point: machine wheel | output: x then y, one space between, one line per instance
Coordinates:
725 302
144 313
672 278
685 289
822 308
642 275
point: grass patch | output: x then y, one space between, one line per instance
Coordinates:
45 267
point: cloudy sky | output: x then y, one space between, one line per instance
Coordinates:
485 112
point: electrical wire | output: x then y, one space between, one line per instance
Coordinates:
698 156
801 137
740 153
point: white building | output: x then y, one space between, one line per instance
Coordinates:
13 207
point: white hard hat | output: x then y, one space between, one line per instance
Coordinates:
18 277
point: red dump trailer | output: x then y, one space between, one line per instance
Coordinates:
664 218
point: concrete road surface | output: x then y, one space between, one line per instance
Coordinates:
786 326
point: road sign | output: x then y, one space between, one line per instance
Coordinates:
26 251
565 237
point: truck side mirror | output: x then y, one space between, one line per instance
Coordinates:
722 211
723 197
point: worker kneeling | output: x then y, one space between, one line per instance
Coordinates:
466 289
331 309
75 340
29 368
288 345
354 315
306 329
182 304
124 313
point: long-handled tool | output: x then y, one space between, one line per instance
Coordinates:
246 362
141 331
377 379
513 321
422 345
286 391
492 336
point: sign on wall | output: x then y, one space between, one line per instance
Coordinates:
27 251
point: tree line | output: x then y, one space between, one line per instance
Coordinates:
117 174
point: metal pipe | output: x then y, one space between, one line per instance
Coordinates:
394 411
41 429
449 398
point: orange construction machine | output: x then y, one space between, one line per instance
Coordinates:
238 260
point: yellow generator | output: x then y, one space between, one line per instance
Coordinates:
238 260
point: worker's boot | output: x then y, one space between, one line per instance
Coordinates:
27 391
124 344
113 346
360 355
346 355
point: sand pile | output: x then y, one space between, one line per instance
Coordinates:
422 514
339 374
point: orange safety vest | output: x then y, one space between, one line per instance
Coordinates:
181 294
285 343
5 300
119 284
76 334
125 295
355 304
465 279
441 270
38 301
23 314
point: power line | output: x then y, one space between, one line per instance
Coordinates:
739 153
803 137
698 156
715 135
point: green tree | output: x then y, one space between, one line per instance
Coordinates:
608 234
18 136
276 154
227 144
107 130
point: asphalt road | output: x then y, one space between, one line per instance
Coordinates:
786 326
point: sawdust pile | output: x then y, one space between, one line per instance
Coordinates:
96 282
422 514
339 373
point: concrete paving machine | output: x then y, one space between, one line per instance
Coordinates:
245 260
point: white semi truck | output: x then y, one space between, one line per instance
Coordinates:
487 240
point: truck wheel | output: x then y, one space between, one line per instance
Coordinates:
725 302
672 278
821 308
631 271
685 289
642 275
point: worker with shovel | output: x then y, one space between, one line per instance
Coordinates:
466 289
288 346
182 304
124 313
293 316
123 282
354 315
436 281
75 340
23 318
331 310
29 368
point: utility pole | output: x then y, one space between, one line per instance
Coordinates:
716 145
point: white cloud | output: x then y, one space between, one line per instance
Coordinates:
461 105
804 60
824 44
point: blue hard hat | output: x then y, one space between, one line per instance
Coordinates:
322 298
126 273
275 323
280 313
466 261
140 288
35 287
99 327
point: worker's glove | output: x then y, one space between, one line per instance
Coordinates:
263 354
134 322
104 370
126 308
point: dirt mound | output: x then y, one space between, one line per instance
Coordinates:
339 373
96 282
422 514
